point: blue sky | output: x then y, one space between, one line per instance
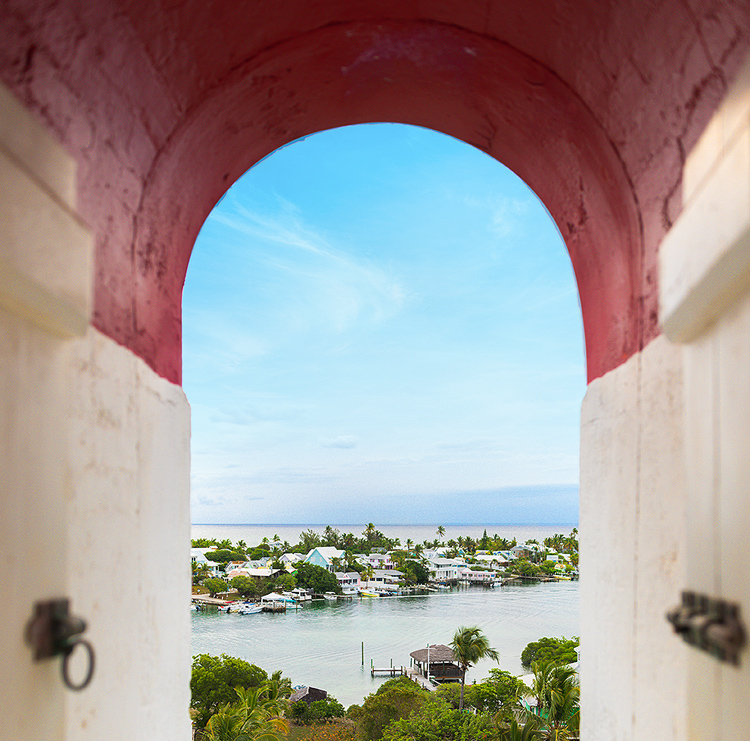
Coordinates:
381 324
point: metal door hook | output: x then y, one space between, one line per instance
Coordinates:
709 624
53 631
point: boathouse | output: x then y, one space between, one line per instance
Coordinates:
437 661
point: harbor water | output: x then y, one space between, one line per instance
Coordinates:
321 644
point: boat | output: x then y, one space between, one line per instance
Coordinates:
299 594
368 593
248 609
330 596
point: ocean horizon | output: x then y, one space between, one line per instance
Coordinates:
253 533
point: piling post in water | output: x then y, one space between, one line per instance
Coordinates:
363 653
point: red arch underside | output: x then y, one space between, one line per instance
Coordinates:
594 103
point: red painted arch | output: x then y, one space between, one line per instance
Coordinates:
593 103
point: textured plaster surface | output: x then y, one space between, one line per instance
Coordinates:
32 508
632 524
128 503
594 104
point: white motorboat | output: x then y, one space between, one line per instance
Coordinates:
247 609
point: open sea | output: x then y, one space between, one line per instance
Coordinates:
321 644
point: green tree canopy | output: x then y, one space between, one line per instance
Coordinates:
213 681
415 572
245 585
500 693
225 555
555 650
436 720
524 567
317 711
395 699
320 580
215 586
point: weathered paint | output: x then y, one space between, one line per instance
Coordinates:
163 105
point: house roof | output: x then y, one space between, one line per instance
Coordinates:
308 694
327 551
438 654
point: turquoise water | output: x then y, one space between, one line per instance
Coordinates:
320 645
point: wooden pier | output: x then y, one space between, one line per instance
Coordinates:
409 672
388 671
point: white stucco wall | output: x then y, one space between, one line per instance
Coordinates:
632 532
94 475
129 544
705 303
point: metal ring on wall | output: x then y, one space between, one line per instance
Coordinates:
89 674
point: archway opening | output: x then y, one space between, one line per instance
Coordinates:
381 325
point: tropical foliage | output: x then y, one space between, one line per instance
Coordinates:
556 650
215 586
469 646
317 578
256 716
319 710
395 699
437 719
557 695
213 682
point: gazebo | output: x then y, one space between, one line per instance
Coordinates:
437 661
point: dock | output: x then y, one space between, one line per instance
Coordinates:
388 671
409 672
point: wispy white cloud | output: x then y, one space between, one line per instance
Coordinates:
338 287
505 214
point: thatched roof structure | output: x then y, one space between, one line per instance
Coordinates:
438 654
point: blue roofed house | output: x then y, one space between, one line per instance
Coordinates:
326 556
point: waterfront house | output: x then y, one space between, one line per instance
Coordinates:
478 577
381 561
348 581
386 579
493 559
437 661
198 556
291 558
325 556
527 550
446 569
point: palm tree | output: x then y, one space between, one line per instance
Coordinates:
469 646
440 531
257 716
528 732
409 544
557 693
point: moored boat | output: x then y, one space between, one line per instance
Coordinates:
248 609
